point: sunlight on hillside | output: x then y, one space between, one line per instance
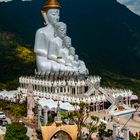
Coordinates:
25 54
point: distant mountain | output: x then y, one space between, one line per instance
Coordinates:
133 5
105 33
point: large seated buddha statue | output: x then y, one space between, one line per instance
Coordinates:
50 13
54 51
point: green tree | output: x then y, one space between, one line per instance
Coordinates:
18 97
16 131
102 128
103 132
133 138
92 126
80 116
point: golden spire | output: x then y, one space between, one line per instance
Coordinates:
51 4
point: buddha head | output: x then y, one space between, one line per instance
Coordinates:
67 41
51 11
76 57
60 30
51 17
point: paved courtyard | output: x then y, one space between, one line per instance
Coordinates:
134 125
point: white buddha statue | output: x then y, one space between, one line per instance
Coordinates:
50 13
81 65
76 61
56 46
65 51
71 58
54 52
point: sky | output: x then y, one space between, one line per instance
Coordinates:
133 5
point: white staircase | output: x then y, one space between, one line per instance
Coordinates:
110 98
91 88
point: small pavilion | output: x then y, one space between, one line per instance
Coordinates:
59 130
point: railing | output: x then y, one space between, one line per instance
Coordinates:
109 97
91 89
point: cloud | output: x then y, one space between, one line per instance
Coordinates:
12 0
133 5
26 0
5 0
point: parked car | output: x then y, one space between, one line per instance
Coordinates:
2 115
3 122
20 121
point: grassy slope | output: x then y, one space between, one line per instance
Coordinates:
119 81
15 60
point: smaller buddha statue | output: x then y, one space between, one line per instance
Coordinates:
76 60
55 46
71 58
65 51
81 65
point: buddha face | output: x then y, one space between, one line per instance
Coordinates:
67 41
53 16
76 57
61 29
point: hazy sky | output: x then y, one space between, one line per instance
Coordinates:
133 5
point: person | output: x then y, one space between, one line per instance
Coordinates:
118 119
136 134
43 36
111 118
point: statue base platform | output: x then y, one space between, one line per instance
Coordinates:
70 88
